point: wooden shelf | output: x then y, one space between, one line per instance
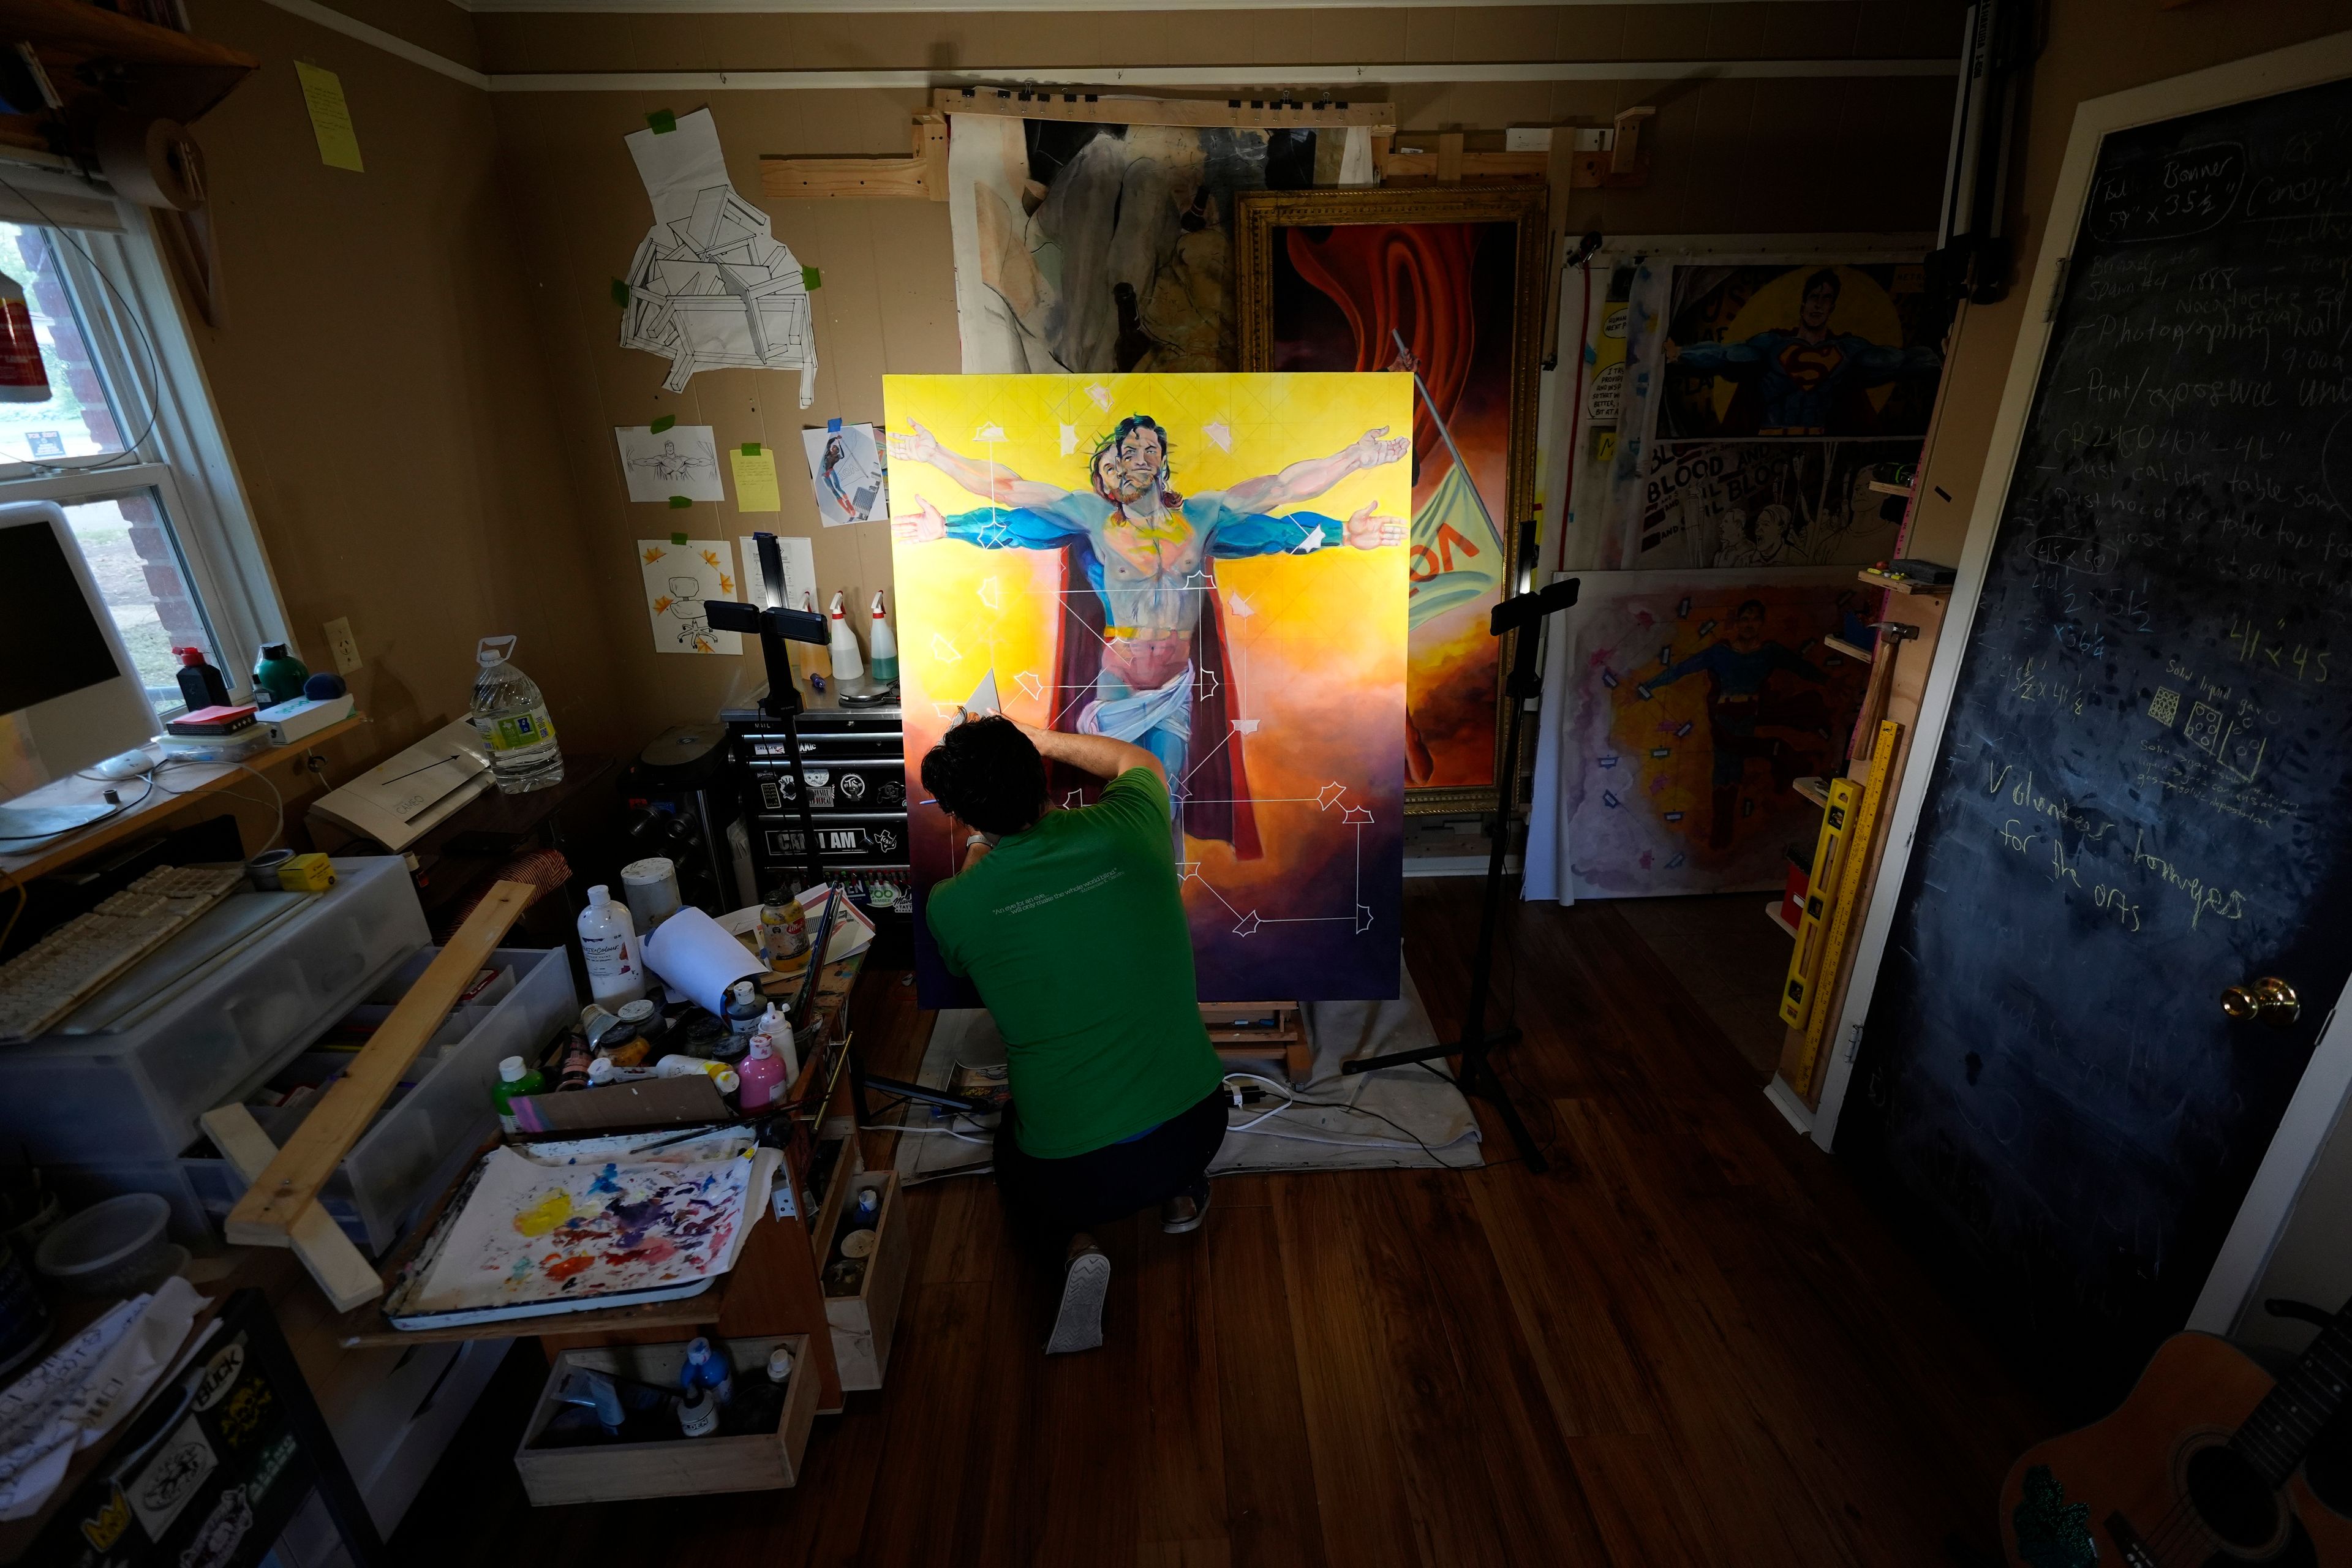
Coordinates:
1904 585
1813 788
1883 487
1851 650
1772 912
138 68
76 790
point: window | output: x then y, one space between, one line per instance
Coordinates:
127 448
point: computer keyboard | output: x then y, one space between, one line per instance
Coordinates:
40 986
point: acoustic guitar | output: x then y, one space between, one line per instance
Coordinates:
2202 1467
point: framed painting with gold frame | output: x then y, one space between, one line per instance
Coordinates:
1322 278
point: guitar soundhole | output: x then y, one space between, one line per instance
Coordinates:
2236 1504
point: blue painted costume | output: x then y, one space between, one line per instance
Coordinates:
1802 384
1737 708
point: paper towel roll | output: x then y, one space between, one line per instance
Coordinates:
154 163
696 958
650 888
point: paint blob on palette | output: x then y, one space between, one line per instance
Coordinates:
532 1232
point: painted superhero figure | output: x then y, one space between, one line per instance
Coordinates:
1809 378
1146 553
1745 719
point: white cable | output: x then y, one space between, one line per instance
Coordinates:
195 763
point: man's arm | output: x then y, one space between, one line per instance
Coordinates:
1096 754
998 483
1702 659
1305 480
1735 361
1235 537
991 528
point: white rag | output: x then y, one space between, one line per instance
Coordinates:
75 1397
1167 708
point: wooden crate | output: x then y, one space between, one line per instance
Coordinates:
684 1466
1257 1031
863 1324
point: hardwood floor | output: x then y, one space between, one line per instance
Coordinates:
1688 1344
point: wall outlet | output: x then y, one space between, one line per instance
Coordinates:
343 644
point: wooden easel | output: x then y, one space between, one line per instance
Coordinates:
1255 1031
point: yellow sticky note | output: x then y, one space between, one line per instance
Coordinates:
755 480
331 118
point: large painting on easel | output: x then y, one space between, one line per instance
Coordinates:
1322 279
1213 568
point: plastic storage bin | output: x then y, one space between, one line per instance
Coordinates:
416 1142
134 1095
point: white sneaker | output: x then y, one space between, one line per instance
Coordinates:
1079 1326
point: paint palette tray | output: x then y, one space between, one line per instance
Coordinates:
556 1212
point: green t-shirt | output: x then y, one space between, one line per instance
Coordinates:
1075 934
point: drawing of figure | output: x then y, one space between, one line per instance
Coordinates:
1805 381
829 471
671 465
1746 718
685 606
1138 576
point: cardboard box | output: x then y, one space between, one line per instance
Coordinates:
683 1467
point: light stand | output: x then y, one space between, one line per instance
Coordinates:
775 627
1522 612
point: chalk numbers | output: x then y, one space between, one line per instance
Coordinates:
2268 648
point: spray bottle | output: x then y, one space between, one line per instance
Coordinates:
882 646
846 664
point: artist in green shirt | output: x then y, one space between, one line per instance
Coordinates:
1071 923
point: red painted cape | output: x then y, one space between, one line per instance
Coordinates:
1217 804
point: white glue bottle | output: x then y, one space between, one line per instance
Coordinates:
616 970
846 664
882 645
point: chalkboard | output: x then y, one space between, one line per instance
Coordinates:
2140 796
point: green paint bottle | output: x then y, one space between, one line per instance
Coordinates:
277 675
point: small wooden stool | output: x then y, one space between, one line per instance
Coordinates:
1259 1030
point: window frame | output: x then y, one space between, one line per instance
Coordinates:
129 309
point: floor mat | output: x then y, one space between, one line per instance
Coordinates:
1397 1118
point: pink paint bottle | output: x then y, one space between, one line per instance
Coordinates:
763 1073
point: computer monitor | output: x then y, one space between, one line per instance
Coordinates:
65 678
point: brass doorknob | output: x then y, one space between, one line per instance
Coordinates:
2271 999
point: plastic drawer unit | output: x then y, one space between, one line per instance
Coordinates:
208 1016
440 1114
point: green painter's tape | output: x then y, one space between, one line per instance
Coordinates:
664 423
620 294
811 279
662 121
676 502
750 448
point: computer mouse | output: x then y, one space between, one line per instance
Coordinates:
128 765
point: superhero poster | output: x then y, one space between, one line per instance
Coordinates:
1806 352
1213 568
1333 280
1699 699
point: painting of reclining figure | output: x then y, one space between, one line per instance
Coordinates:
1211 567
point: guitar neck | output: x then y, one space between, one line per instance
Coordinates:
2278 1434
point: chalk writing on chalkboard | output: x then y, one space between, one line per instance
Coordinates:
2141 793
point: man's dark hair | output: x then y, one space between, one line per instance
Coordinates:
987 772
1120 432
1826 277
1739 615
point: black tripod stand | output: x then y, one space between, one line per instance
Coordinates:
1522 612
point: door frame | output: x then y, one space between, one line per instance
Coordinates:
2319 1098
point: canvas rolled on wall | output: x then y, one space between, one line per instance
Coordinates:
1241 536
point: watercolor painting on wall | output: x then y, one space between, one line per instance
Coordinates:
1213 568
1699 697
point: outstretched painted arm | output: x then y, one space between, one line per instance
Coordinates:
991 528
998 483
1880 363
1702 659
1304 480
1736 360
1301 533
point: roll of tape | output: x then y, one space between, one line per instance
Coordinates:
154 163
